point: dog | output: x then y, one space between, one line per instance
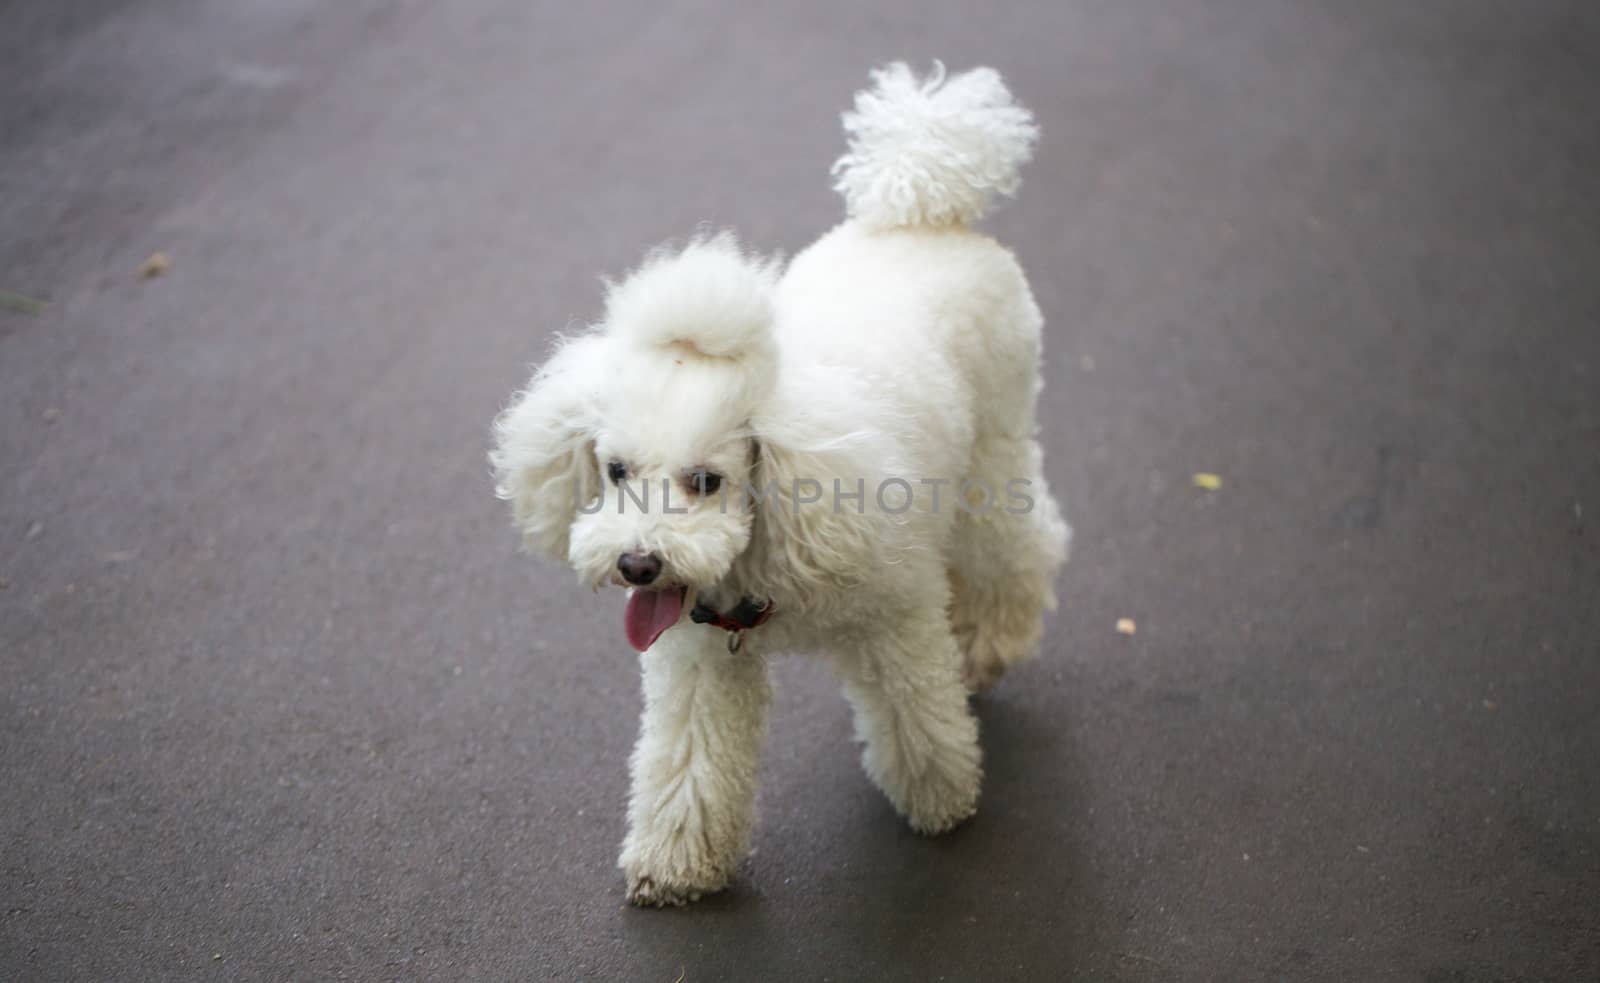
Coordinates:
836 456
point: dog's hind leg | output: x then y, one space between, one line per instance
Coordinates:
694 768
1003 564
920 738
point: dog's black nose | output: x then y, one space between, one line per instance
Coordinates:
639 568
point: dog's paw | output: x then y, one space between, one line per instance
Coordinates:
671 871
984 658
646 892
980 674
990 647
942 795
936 814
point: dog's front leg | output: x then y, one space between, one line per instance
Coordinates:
694 768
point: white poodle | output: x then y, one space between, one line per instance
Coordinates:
837 457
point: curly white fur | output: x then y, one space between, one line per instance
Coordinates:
932 151
880 354
666 301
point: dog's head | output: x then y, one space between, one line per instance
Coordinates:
633 452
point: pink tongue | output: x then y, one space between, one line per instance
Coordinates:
649 613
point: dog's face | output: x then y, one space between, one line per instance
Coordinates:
631 453
674 454
665 449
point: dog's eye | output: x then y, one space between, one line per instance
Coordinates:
704 482
616 471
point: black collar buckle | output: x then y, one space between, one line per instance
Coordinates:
747 614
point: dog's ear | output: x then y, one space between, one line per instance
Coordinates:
819 527
543 456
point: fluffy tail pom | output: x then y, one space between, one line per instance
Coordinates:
932 151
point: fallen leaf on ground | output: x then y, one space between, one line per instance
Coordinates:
51 415
1126 626
153 267
20 304
1207 480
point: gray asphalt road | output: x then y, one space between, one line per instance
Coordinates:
280 699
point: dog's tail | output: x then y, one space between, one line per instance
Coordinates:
932 151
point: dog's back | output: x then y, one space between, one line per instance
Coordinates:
938 323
